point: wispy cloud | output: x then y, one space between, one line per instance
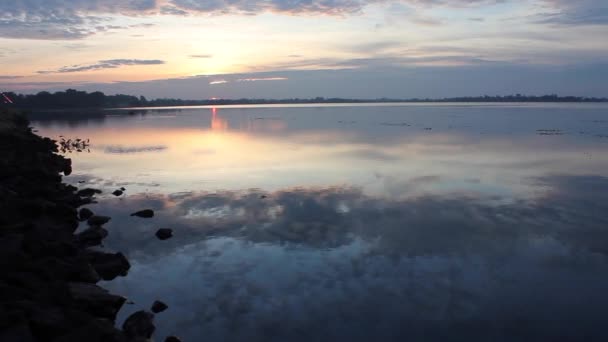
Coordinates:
104 64
201 56
9 77
262 79
216 82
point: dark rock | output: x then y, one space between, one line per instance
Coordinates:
85 214
173 339
108 266
96 220
48 322
21 333
117 193
123 189
92 236
96 300
263 197
159 307
139 324
73 269
96 330
11 246
147 213
88 192
164 233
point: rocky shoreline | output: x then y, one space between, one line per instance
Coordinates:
48 288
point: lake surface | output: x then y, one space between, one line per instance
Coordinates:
450 222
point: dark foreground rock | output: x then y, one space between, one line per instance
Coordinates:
139 325
164 233
48 288
147 213
85 214
172 339
158 307
96 220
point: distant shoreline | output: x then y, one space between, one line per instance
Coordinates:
73 99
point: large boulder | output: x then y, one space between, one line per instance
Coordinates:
85 214
96 300
107 265
92 236
139 325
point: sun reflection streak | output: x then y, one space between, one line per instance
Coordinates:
217 123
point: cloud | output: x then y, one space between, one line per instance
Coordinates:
262 79
201 56
581 12
104 64
78 19
9 77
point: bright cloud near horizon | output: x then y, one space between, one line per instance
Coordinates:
200 49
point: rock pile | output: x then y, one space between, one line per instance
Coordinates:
48 274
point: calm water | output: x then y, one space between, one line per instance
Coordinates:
357 223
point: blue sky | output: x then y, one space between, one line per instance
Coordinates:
289 48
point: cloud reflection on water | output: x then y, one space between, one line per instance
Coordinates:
334 263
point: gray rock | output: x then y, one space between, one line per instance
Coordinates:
96 300
139 325
164 233
147 213
85 214
173 339
158 307
97 220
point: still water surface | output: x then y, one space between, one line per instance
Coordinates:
357 222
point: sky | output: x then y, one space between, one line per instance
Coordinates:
200 49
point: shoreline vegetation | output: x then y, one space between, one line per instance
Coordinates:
80 99
50 267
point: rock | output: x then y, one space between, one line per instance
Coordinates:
123 189
108 266
96 300
96 220
164 233
139 324
97 330
159 307
92 236
21 333
88 192
147 213
173 339
117 193
85 214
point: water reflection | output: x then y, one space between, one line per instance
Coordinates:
317 263
359 223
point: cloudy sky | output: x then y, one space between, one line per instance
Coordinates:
303 48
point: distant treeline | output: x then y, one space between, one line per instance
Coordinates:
80 99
